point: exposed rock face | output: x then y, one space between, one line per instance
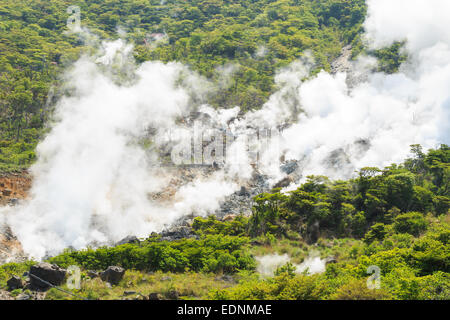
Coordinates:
241 202
129 239
344 64
14 186
47 272
113 274
289 167
10 248
15 283
177 233
284 182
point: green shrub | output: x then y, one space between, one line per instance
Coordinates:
212 253
413 223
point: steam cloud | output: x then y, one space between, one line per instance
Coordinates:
268 264
92 178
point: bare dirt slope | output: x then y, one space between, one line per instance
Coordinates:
14 186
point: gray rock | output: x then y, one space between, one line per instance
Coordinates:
177 233
13 201
113 274
155 296
15 283
23 296
289 167
48 272
129 239
129 293
173 295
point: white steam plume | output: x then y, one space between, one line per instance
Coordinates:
268 264
374 123
92 178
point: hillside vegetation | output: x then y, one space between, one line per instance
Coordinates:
396 219
237 44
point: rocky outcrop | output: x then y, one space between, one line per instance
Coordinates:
129 239
343 62
113 275
289 167
49 273
241 202
355 74
15 283
177 233
10 248
14 186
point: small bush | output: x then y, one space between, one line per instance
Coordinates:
413 223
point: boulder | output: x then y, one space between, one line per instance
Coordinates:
177 233
23 296
113 274
173 295
155 296
15 283
129 293
48 272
